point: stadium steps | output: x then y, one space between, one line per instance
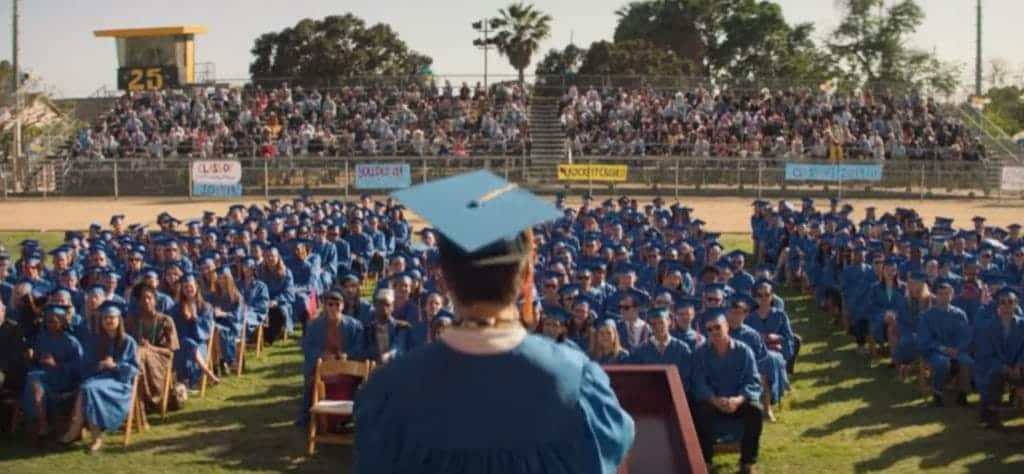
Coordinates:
546 137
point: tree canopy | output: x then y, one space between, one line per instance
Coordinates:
321 51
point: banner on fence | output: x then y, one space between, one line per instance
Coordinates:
383 176
809 172
592 172
1012 179
217 178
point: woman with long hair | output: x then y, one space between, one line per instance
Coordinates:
105 397
193 317
887 304
227 313
606 348
156 339
281 291
919 299
56 368
304 267
580 326
207 277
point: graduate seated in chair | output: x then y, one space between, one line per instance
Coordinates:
726 383
771 365
386 338
945 337
103 401
193 318
553 326
255 297
156 340
227 305
55 371
662 348
1000 355
773 325
332 335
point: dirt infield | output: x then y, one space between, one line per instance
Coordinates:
723 214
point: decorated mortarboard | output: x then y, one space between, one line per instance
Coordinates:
480 216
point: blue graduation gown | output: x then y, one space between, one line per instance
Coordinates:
689 336
55 381
398 339
997 349
771 364
625 340
359 245
854 283
622 357
192 337
558 413
257 303
731 374
776 322
106 395
282 291
328 253
229 327
742 282
305 284
419 331
881 300
676 353
313 344
944 327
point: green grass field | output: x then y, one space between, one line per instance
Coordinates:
843 416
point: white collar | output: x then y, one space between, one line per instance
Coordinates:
486 341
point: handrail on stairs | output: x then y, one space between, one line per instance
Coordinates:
986 126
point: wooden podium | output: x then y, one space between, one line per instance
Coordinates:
666 441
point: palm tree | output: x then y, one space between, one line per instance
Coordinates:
521 29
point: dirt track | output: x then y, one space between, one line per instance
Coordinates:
722 214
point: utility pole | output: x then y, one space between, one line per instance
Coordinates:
16 84
486 26
977 57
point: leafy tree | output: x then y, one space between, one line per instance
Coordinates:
6 77
558 62
1006 108
671 24
321 51
630 58
870 41
520 30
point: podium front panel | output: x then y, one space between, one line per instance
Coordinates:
666 441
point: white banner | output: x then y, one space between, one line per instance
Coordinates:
222 178
1013 178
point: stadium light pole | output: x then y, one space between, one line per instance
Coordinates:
977 56
486 26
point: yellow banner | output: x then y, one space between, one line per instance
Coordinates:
592 172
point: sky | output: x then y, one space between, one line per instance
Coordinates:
57 44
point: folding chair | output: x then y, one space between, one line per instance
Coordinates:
136 415
240 350
212 350
166 395
321 407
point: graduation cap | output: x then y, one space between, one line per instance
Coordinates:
96 289
116 218
687 302
111 308
1006 292
556 313
58 310
479 215
657 313
1013 227
977 219
944 283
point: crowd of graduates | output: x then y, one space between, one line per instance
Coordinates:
943 299
621 282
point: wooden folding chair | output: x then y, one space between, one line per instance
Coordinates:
168 383
321 407
212 349
257 344
240 349
136 415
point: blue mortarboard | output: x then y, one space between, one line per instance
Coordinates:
224 270
479 214
56 310
736 254
61 292
110 308
978 219
1013 226
249 262
944 283
743 298
918 276
349 277
657 313
556 313
116 218
188 277
714 287
995 278
688 302
97 289
33 259
569 289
